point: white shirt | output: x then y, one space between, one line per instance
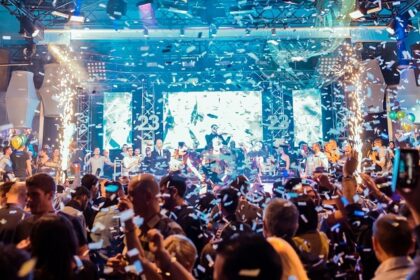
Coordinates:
314 161
130 164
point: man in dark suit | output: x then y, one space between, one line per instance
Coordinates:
160 157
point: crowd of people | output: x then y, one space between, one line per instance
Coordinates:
175 216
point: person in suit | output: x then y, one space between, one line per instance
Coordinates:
160 157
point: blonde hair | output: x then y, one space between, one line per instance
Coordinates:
292 266
182 249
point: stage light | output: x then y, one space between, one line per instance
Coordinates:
145 32
182 32
247 32
390 28
116 8
31 29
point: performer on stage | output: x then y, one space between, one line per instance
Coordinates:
130 163
315 160
378 156
215 134
160 157
97 162
282 159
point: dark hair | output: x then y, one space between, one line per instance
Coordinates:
281 218
241 183
54 244
42 181
11 260
393 234
205 203
5 149
80 191
229 200
308 216
89 180
178 182
247 253
5 188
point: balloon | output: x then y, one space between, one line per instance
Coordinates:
16 142
406 127
392 115
411 117
400 115
24 139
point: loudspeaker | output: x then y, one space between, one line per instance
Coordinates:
21 99
4 70
49 92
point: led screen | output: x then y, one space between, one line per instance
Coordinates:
117 120
188 117
307 115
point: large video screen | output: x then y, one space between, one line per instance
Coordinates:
117 120
188 117
307 115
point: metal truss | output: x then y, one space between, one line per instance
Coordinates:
83 121
147 113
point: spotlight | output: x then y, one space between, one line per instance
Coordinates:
145 32
116 8
390 28
182 32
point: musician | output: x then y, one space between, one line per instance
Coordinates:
378 155
215 134
130 163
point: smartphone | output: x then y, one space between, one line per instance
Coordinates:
406 170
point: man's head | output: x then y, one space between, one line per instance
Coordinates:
137 152
17 194
41 192
172 188
105 153
229 200
4 189
242 184
316 147
124 148
247 256
214 128
281 218
392 237
96 151
90 182
143 191
159 144
7 151
81 195
130 151
377 142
